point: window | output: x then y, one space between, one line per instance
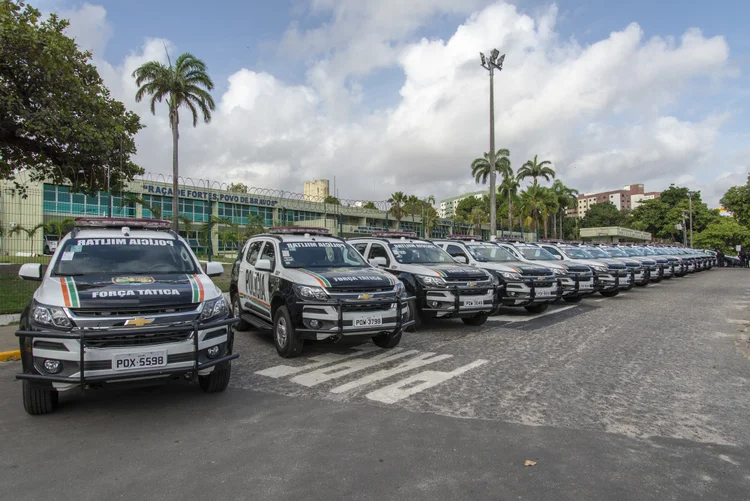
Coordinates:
552 251
378 250
240 213
253 251
361 248
455 251
269 252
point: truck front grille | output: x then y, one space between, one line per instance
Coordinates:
140 311
136 339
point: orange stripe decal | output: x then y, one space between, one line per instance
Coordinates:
316 278
200 288
65 292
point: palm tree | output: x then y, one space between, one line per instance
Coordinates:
429 214
480 167
509 188
59 228
413 206
478 216
535 169
133 199
537 202
398 200
29 232
566 198
186 83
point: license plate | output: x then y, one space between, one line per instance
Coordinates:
144 360
368 321
544 293
473 302
586 285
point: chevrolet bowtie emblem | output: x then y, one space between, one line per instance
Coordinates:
139 322
472 284
365 296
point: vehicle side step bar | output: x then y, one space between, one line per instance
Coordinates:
257 322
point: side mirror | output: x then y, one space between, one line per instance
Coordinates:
559 258
31 271
263 265
461 259
214 269
378 261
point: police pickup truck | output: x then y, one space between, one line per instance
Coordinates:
442 287
638 273
576 280
531 286
301 283
122 301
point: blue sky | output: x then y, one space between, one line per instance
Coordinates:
347 103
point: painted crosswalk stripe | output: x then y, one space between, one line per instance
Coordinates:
517 318
280 371
413 363
353 365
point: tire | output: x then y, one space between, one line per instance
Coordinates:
610 293
574 299
37 400
641 284
46 251
414 315
475 321
217 380
285 337
386 340
237 311
537 308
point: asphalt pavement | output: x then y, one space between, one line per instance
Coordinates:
642 397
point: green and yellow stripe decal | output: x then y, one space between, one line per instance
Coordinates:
440 273
323 281
70 292
260 303
197 286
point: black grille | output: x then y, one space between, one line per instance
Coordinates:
349 308
577 269
476 278
535 273
472 292
360 290
138 311
136 339
98 365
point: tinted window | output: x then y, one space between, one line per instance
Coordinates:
596 252
535 254
490 253
124 255
418 252
361 248
615 252
253 251
320 255
269 252
577 253
377 250
455 251
553 251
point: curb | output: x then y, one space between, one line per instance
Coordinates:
10 355
10 319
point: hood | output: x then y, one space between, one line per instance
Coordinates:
589 262
615 264
126 291
529 269
343 278
445 270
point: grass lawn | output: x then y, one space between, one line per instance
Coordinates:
15 293
23 260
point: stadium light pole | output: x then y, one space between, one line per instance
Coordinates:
495 62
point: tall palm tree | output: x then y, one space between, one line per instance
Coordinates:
509 189
134 199
186 83
480 167
478 216
398 200
413 206
566 198
536 169
537 202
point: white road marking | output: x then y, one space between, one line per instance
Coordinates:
280 371
426 379
516 318
738 321
602 299
414 363
345 368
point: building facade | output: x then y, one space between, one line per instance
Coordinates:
448 206
316 190
628 198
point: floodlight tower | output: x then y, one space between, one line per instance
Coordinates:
495 62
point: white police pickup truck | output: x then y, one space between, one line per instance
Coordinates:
123 301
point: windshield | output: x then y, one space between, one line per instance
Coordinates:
576 253
648 252
615 252
535 254
413 253
133 256
596 252
630 251
320 255
490 253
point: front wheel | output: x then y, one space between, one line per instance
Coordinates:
386 340
475 321
537 308
237 312
37 400
610 293
574 299
285 337
217 380
414 315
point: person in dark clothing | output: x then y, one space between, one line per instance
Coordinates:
720 258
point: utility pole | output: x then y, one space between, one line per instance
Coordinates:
690 197
491 64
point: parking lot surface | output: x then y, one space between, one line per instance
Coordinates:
642 396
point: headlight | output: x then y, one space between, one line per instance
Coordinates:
400 289
510 275
431 281
559 271
214 308
600 269
306 292
50 315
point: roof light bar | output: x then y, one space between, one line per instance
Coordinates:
298 230
119 222
464 237
394 234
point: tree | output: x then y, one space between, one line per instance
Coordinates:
186 83
508 191
370 205
330 199
29 232
724 234
254 226
737 201
477 217
466 207
480 167
566 198
145 205
429 216
397 201
536 203
57 119
602 215
237 188
535 169
59 228
413 206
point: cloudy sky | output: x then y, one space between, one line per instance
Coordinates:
389 95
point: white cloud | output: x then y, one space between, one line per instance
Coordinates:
606 114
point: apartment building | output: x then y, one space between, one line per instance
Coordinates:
448 206
628 198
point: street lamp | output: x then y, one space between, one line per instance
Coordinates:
690 197
492 64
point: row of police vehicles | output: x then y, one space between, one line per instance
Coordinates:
126 301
